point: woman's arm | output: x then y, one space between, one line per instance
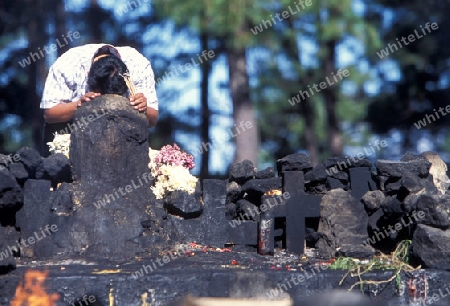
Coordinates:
63 112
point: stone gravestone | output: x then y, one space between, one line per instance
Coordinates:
111 196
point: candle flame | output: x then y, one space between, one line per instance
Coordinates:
32 291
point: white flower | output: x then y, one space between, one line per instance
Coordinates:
167 178
60 144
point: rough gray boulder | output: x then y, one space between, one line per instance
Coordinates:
436 210
55 168
373 200
317 174
35 219
111 190
234 192
183 204
247 209
438 170
257 187
242 172
294 162
333 183
9 247
342 226
343 162
265 173
19 172
419 167
31 159
431 245
11 195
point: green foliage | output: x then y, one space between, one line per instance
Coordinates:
291 55
420 68
398 261
317 24
228 19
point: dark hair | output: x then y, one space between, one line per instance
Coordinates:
106 49
105 76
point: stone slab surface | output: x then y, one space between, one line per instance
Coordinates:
200 273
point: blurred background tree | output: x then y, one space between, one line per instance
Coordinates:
262 61
413 81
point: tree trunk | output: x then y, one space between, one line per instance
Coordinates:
95 23
310 136
205 70
305 107
60 23
35 39
335 144
245 128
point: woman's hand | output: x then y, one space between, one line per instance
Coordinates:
88 97
139 101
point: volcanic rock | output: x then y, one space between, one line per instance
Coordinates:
392 207
374 220
6 160
111 184
257 187
55 168
19 172
373 199
183 204
34 216
242 172
361 181
214 222
411 182
11 195
431 246
438 170
342 162
294 162
317 174
337 174
266 173
393 184
343 222
410 156
230 211
9 238
31 159
248 209
392 168
333 183
316 189
436 210
234 192
355 251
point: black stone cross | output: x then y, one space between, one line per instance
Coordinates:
299 206
361 181
295 208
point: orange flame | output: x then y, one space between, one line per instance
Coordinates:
273 192
32 292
